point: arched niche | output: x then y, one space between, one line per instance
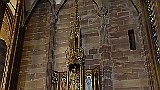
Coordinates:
3 51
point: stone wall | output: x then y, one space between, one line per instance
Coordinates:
104 38
106 43
129 71
33 68
90 25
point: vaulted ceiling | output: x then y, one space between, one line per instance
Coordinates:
29 4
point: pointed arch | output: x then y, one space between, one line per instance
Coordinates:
63 2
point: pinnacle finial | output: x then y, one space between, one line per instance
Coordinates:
75 35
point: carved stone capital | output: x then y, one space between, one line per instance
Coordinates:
102 11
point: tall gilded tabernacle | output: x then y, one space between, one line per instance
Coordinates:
75 56
76 77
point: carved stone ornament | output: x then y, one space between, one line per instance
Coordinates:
102 11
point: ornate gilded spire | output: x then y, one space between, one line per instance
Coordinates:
75 55
74 78
75 35
75 51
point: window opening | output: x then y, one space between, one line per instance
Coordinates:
132 39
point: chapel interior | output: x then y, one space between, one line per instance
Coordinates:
79 45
